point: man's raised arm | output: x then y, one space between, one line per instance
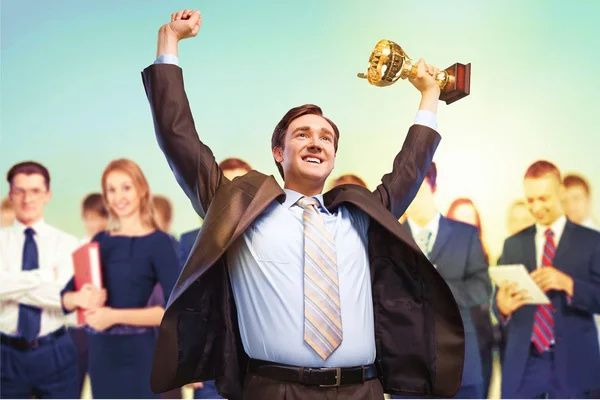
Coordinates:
399 187
191 161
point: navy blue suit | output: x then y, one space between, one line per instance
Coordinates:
186 242
458 255
574 361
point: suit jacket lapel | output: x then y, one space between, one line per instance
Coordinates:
530 249
444 233
564 244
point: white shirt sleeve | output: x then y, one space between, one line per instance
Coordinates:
167 59
47 293
426 118
15 284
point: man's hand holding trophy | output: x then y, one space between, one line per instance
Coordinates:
388 63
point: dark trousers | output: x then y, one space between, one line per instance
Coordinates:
540 379
48 371
209 391
257 387
465 392
79 337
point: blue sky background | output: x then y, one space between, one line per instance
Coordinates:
72 96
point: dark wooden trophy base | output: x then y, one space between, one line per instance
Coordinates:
459 86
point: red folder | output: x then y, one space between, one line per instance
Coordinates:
86 261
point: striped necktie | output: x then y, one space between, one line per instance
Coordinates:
543 324
322 313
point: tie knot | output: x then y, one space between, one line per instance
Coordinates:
306 202
29 232
549 233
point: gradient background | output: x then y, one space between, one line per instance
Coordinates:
72 95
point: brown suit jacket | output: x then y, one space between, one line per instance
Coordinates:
418 327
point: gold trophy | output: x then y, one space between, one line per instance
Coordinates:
388 63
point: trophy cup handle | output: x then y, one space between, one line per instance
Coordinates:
361 75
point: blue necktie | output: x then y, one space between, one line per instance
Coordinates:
29 316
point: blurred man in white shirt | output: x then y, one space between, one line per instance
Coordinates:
38 357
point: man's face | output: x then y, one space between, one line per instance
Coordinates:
576 204
543 198
309 152
422 201
29 195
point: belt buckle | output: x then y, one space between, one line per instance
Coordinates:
338 376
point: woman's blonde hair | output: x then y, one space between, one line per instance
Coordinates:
140 183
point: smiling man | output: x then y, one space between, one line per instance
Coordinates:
289 293
552 349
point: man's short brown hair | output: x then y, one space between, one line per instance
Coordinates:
234 163
432 176
94 202
28 168
541 168
577 180
348 178
163 205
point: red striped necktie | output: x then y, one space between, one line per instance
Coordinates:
543 324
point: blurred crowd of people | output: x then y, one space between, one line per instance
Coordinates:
141 260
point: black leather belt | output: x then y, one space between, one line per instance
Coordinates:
324 377
22 344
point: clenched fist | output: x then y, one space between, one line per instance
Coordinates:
425 79
184 24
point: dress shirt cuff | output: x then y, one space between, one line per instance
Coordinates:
167 59
426 118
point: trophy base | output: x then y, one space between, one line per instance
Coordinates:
459 84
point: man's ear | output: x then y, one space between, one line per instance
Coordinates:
278 154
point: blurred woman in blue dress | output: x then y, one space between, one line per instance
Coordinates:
135 256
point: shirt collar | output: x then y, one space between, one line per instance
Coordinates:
557 226
38 227
291 197
432 225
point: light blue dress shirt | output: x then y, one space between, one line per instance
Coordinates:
266 265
